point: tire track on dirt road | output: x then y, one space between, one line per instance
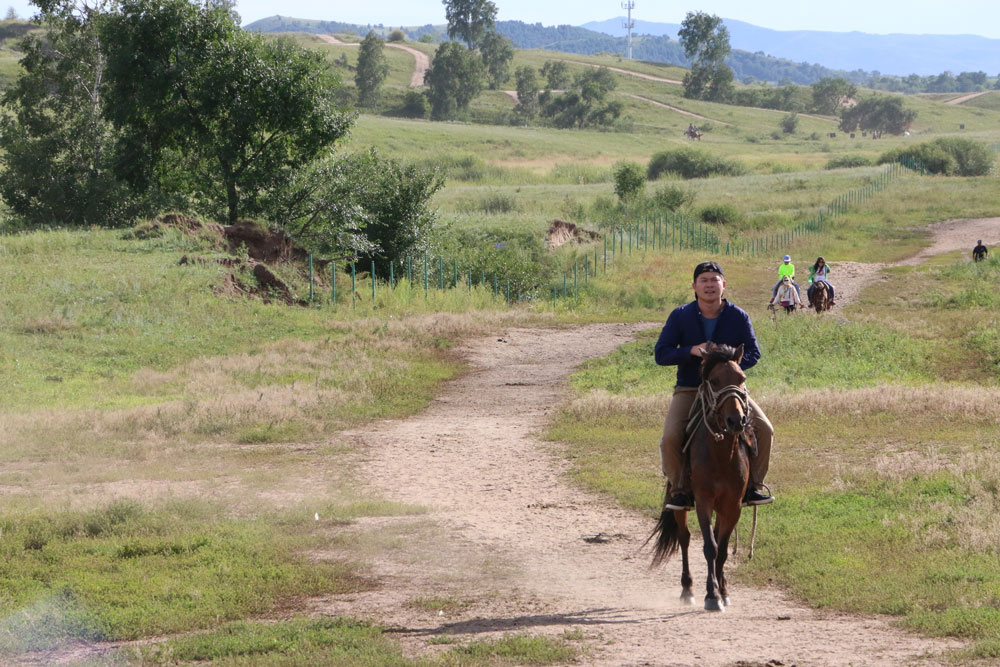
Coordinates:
510 535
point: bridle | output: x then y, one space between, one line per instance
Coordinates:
711 400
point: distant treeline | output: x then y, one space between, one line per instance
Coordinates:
747 67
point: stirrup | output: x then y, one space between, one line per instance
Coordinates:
753 497
679 505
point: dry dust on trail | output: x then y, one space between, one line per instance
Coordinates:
421 61
518 548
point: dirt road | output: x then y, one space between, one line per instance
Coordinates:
517 548
960 234
421 61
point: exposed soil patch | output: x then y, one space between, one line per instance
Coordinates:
561 232
261 245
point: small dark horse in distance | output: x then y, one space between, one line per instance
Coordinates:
819 296
692 133
719 451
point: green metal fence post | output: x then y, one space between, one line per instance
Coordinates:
392 277
333 282
373 282
310 277
354 284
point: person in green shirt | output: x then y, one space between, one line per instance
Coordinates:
786 269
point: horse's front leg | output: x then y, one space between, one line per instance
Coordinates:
684 539
712 601
724 531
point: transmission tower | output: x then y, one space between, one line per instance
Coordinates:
629 24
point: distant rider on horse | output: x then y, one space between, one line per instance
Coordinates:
786 269
708 318
979 252
786 296
820 272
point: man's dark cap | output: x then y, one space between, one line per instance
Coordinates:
706 267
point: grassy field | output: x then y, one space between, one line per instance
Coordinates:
173 456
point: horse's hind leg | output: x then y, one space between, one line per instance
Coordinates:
684 538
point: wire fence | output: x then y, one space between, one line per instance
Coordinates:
670 232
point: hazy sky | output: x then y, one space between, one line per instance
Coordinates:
976 17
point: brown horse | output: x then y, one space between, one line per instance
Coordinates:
819 296
719 457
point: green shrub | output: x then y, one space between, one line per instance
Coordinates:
498 202
849 161
397 35
790 123
972 158
721 214
629 180
414 105
692 163
672 198
948 156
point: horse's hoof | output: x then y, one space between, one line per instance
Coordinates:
687 597
711 604
726 601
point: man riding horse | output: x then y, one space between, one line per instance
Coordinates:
708 318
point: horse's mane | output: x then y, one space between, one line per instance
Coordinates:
714 354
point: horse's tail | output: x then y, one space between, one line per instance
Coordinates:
666 533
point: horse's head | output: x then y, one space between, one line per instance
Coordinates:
723 388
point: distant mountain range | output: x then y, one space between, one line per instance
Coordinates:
572 39
760 54
889 54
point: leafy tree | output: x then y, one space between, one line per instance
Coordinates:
830 93
58 150
706 44
362 203
878 114
556 73
629 179
238 114
371 70
470 19
527 92
498 54
453 80
584 104
397 35
943 83
11 14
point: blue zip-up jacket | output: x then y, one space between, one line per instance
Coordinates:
684 329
